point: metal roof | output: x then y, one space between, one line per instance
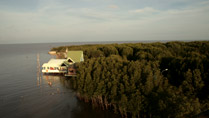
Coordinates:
54 62
75 56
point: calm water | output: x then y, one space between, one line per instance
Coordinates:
23 95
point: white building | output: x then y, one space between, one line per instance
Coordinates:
54 66
63 65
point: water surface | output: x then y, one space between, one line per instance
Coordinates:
24 94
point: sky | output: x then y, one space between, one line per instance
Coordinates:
46 21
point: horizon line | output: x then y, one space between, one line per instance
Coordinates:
103 42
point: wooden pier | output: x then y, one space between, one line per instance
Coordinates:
38 70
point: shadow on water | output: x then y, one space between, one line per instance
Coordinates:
78 109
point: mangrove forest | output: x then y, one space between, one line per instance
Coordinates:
145 80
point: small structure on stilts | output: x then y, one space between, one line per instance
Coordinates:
71 70
73 57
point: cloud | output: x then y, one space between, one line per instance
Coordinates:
204 2
113 6
145 10
66 22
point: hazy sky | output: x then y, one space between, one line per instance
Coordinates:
35 21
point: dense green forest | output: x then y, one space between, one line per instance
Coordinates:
159 80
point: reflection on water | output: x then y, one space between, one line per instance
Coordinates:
26 93
52 80
54 84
